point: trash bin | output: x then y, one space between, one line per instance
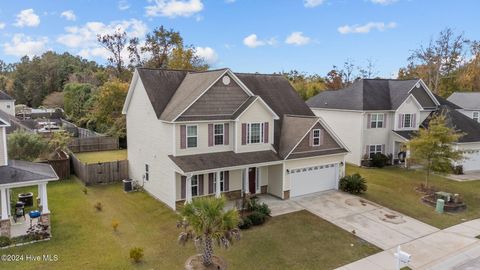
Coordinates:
127 185
26 198
440 206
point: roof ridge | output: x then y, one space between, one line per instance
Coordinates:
302 116
260 74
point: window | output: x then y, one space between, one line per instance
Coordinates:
316 137
475 116
408 120
376 120
147 172
218 131
8 106
374 149
222 182
255 133
191 136
194 186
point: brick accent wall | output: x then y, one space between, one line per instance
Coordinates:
5 228
286 194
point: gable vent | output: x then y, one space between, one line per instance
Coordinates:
226 80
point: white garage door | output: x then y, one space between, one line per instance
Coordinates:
472 161
313 179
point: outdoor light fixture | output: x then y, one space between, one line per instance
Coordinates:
341 163
288 171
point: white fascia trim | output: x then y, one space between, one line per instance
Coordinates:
5 152
240 83
275 116
28 183
398 135
130 92
331 155
429 92
416 101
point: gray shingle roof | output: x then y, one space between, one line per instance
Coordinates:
5 96
294 129
18 171
466 100
365 94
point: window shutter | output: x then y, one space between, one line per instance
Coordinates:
400 120
265 132
183 184
244 134
226 132
210 134
322 136
369 119
200 184
311 138
210 183
226 180
384 120
183 136
414 120
383 149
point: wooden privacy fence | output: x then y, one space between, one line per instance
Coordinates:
60 166
88 144
100 173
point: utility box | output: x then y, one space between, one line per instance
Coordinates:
440 206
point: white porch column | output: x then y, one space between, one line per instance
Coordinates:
39 190
217 184
44 198
188 189
4 201
245 181
9 208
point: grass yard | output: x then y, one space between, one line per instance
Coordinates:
102 156
395 189
84 239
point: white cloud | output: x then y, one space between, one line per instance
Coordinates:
84 38
123 5
22 45
252 41
207 54
2 25
312 3
173 8
69 15
27 17
366 28
383 2
297 38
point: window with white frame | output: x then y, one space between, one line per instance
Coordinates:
376 120
192 136
147 172
475 116
194 185
218 134
255 133
316 137
408 120
222 182
374 149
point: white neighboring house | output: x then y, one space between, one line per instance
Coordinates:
469 103
7 103
250 133
381 115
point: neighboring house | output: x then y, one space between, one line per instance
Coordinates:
381 116
251 133
15 174
7 103
469 103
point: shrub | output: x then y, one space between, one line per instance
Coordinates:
98 206
5 241
115 225
379 160
256 218
245 223
354 184
136 254
264 209
458 169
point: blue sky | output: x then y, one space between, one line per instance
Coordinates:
246 35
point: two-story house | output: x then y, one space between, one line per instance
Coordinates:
468 102
381 115
217 132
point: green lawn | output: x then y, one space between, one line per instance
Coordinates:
83 238
395 189
102 156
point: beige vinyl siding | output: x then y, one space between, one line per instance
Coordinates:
380 136
256 113
150 142
8 106
275 180
202 139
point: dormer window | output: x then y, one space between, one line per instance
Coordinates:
475 116
255 132
316 137
408 120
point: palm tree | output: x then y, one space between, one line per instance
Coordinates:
205 220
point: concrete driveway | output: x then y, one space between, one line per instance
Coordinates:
378 225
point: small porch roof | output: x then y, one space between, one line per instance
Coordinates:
405 135
222 160
23 173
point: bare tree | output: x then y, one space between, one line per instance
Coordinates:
114 43
369 71
347 72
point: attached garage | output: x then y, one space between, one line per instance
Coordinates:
472 160
313 179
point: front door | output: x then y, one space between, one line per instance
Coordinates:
252 177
